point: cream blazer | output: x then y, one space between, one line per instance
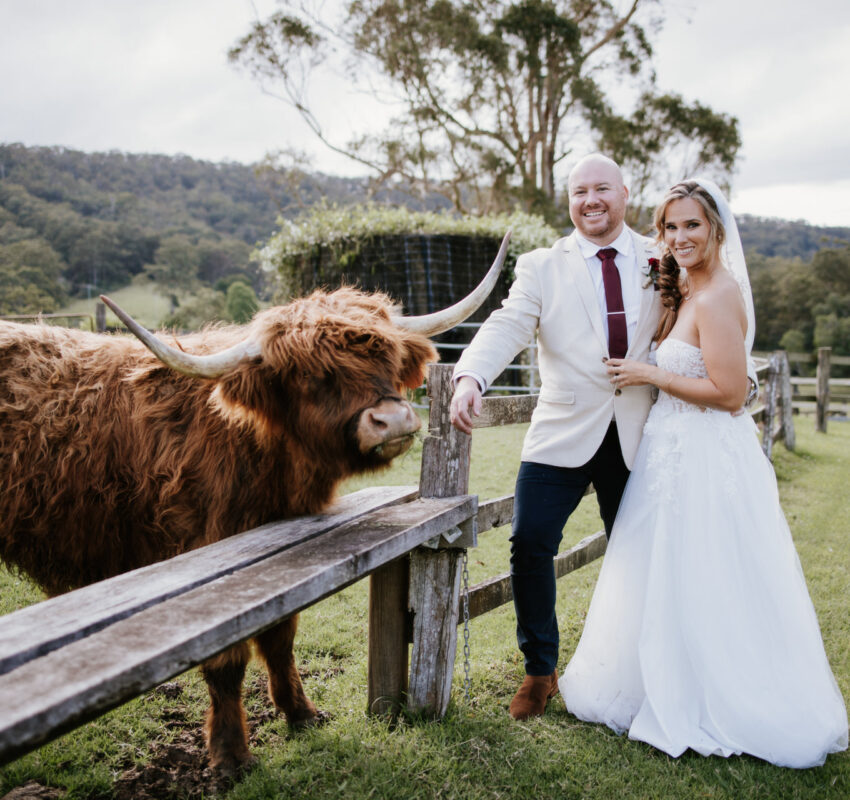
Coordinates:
553 296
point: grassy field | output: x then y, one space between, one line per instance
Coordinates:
148 306
477 752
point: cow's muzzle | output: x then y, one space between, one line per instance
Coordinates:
386 429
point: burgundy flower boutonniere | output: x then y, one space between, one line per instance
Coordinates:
651 274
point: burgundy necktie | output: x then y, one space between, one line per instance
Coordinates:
618 341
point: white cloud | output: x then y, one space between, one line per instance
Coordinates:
782 69
817 203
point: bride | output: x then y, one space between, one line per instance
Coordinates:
701 633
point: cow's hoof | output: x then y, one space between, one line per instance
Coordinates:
226 771
318 719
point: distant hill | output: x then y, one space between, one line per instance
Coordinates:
73 223
788 239
166 193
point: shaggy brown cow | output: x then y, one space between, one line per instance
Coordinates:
113 458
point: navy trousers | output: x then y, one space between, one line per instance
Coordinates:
544 499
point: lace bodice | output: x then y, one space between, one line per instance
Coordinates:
684 359
672 421
681 358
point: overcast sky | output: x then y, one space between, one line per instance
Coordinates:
152 76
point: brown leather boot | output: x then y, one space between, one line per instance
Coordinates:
530 700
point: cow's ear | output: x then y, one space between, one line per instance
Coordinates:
249 397
418 352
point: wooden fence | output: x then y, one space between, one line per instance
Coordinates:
71 658
821 395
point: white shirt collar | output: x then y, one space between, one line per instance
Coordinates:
622 244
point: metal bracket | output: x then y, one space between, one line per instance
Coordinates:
458 537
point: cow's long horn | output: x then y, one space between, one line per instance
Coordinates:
440 321
210 366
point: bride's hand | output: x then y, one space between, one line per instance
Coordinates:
627 372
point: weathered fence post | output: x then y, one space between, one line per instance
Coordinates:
785 402
435 574
100 317
822 410
389 634
771 390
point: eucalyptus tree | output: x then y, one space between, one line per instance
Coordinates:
492 98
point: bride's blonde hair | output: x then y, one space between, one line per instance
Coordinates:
669 279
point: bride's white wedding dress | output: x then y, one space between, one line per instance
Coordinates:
701 633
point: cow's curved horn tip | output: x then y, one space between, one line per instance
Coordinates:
112 306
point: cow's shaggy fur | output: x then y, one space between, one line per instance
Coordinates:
109 460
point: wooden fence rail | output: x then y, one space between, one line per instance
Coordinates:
821 395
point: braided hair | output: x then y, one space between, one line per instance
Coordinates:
669 274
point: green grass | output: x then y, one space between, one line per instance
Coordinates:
477 752
141 301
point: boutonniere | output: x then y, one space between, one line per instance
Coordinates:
652 273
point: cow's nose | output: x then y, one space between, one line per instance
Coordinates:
387 424
389 414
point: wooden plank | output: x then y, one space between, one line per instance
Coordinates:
496 592
90 676
808 358
761 365
389 634
38 629
803 407
505 410
495 513
498 511
588 549
840 383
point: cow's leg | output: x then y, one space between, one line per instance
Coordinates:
285 689
226 730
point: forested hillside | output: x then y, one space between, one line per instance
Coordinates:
75 224
784 238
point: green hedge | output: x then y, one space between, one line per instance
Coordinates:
344 229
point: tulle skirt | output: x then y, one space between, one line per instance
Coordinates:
701 633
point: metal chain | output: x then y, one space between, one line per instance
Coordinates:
466 680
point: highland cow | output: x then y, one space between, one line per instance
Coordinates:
114 457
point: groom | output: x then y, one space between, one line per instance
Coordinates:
588 298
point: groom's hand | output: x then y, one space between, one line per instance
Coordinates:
752 394
466 402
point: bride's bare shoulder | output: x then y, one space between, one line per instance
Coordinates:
723 295
722 289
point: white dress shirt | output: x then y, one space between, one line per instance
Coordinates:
631 277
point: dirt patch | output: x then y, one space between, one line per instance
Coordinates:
178 765
176 769
32 790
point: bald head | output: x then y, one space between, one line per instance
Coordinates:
598 198
597 163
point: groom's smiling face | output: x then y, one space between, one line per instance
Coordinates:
598 200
